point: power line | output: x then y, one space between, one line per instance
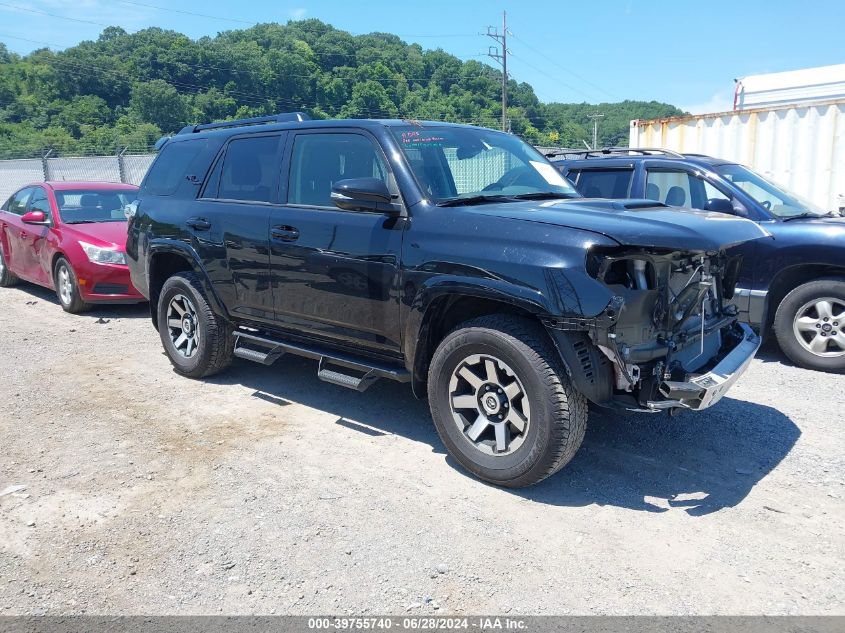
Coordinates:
52 15
547 74
565 69
248 71
196 15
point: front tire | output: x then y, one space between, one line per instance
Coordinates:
810 325
502 403
7 277
197 341
67 288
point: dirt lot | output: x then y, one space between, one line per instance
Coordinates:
268 491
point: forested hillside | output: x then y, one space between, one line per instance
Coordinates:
126 90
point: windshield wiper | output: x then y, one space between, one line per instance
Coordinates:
480 199
807 214
545 195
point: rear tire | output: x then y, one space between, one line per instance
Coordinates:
67 288
197 341
810 325
7 277
502 403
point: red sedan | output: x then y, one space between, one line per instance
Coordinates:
69 236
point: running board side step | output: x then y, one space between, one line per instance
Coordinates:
265 350
358 383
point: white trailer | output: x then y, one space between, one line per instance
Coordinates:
799 146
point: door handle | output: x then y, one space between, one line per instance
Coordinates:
200 224
285 233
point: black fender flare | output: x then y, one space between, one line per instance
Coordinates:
427 305
190 256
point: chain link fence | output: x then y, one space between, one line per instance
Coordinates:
127 168
131 168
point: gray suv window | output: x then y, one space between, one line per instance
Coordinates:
320 160
172 166
248 171
603 183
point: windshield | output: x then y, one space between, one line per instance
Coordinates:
456 163
780 202
84 206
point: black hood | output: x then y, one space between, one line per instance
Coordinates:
634 222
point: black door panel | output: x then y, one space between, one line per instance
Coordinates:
336 273
229 224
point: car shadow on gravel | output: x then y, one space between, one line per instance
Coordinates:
696 462
699 462
770 352
103 310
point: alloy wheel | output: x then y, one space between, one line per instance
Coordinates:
183 326
65 285
819 325
489 404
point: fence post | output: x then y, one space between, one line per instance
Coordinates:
45 163
121 165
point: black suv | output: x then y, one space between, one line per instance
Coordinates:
794 282
443 255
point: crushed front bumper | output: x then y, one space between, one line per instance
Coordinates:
705 390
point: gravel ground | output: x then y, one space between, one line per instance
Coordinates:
267 491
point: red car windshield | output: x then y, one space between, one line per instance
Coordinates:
89 206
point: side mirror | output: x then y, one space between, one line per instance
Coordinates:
363 194
719 205
35 217
130 209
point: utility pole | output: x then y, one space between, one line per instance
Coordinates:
502 58
595 117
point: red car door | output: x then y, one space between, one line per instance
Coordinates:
13 232
34 243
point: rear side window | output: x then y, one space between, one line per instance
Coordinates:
603 183
248 170
176 162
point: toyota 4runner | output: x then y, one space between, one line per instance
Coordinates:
443 255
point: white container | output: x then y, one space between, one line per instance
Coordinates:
801 147
823 83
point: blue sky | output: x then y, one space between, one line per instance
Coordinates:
684 53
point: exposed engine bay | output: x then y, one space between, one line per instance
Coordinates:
666 327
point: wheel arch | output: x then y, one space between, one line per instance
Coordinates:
790 278
443 312
55 260
165 260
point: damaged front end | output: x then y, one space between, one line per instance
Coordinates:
667 339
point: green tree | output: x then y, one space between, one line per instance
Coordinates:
159 103
126 88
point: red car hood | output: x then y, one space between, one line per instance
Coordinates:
99 233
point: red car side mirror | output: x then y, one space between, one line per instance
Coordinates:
35 217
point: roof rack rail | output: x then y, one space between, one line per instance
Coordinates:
562 151
605 151
639 150
283 117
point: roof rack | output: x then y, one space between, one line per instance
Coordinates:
283 117
605 151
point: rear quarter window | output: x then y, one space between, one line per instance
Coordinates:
176 162
603 183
